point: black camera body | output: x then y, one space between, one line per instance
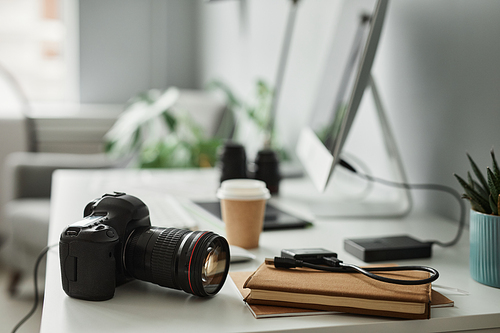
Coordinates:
115 243
91 249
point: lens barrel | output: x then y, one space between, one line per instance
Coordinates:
194 261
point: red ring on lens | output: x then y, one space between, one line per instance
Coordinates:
190 258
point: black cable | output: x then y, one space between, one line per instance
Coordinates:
337 266
367 272
35 274
434 187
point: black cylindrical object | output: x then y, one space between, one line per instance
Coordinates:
232 161
267 169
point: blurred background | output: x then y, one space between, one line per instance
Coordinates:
437 69
69 68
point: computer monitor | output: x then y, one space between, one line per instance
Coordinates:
320 156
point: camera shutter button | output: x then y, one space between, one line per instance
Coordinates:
110 233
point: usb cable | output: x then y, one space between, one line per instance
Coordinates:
332 264
432 187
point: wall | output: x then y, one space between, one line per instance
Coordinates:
437 69
240 42
129 46
439 72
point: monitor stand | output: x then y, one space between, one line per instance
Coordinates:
325 205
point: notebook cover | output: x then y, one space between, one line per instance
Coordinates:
268 311
349 285
438 300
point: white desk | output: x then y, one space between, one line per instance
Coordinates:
144 307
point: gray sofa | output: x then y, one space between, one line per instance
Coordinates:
27 187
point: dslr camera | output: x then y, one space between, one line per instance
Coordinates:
115 243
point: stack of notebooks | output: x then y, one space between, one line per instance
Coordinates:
272 292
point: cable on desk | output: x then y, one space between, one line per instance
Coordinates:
35 274
337 266
433 187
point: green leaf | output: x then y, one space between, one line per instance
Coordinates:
231 97
137 137
226 127
108 146
496 170
493 183
477 187
251 113
477 172
263 90
143 96
170 120
473 204
475 197
493 205
471 181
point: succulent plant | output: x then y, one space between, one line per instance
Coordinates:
483 193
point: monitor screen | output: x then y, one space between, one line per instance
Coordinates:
319 151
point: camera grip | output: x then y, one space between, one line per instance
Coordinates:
88 268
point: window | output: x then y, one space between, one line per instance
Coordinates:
31 47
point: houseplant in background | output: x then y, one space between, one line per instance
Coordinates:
150 134
159 130
255 130
484 196
252 118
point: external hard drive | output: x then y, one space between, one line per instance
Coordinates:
388 248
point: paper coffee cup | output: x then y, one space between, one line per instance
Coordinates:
243 204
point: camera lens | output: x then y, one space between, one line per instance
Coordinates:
194 261
232 161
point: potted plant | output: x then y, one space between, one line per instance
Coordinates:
252 118
151 135
484 196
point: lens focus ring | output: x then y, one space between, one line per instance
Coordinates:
163 257
194 261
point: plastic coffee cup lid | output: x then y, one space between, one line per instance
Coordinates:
243 189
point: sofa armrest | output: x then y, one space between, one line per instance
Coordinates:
29 175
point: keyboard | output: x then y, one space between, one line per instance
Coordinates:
170 212
167 211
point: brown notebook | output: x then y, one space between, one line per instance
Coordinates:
267 311
343 292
